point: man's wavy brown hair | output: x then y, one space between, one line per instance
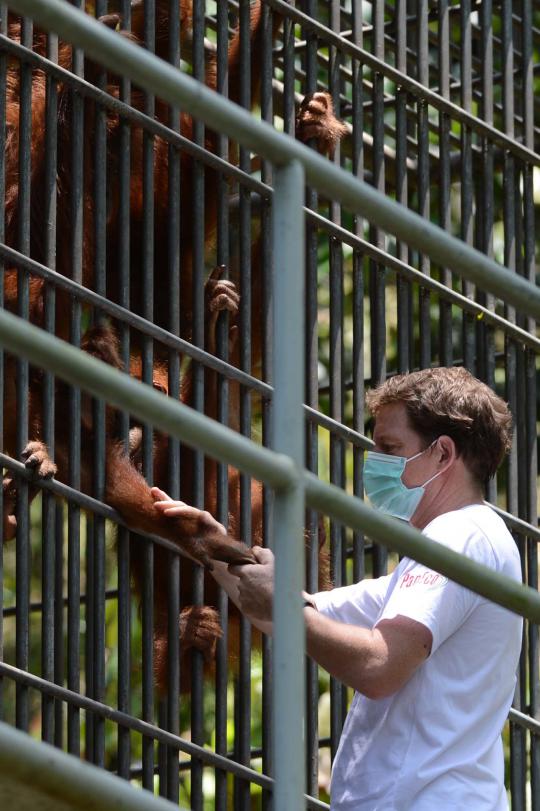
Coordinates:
451 401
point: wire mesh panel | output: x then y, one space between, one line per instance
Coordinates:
136 232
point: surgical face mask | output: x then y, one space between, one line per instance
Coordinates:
384 486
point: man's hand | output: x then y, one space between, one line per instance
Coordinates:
251 586
256 585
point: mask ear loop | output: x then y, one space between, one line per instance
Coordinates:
433 477
416 455
440 471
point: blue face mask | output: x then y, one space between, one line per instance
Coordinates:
384 486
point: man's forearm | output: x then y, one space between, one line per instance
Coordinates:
356 656
375 662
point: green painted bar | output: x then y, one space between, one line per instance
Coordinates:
34 775
288 701
183 92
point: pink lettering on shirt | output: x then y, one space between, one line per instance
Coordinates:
427 579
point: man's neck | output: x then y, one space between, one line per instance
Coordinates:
447 499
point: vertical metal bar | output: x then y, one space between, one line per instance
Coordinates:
267 283
197 692
124 649
520 438
518 760
288 436
59 658
404 291
169 782
377 281
312 444
147 376
358 370
223 255
169 706
48 506
243 685
445 308
98 423
336 476
336 356
358 405
467 188
99 594
123 546
288 76
486 341
527 453
170 709
517 738
531 399
90 630
532 570
424 304
162 757
74 516
23 552
508 114
523 456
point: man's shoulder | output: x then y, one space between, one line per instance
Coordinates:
478 532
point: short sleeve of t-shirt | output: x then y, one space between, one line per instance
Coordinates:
430 598
359 604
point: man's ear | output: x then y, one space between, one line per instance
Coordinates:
446 450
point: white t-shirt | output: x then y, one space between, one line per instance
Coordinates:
436 744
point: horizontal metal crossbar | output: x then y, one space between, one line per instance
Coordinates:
181 91
517 525
517 717
277 470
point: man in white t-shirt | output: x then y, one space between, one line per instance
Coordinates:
432 663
